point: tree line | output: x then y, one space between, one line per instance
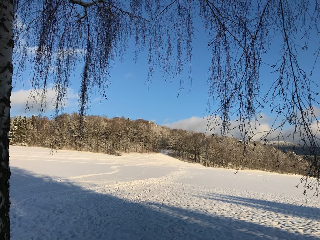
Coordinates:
122 135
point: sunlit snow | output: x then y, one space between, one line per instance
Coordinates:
81 195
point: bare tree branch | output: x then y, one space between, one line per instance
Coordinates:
86 4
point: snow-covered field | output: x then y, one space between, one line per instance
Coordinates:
81 195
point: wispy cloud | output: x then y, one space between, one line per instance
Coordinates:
128 75
21 45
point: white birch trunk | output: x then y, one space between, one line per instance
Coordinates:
6 47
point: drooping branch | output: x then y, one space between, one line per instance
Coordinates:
223 26
164 9
92 3
86 4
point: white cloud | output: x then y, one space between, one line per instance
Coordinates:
212 125
29 101
195 124
256 130
293 134
316 111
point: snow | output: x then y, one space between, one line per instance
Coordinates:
81 195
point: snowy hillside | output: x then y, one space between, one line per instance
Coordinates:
82 195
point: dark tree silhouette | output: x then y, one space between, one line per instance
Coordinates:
58 35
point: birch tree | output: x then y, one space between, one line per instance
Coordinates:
6 70
59 35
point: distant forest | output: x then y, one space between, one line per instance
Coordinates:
122 135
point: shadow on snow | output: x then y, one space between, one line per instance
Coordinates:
276 207
46 209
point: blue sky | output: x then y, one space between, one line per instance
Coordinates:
129 94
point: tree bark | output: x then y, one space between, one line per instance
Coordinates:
6 69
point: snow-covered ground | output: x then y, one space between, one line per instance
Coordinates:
81 195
